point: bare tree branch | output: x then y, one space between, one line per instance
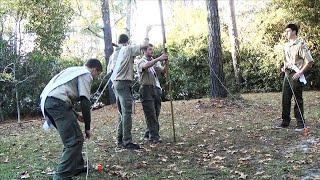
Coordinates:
93 32
29 77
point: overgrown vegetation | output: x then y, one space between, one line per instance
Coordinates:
261 52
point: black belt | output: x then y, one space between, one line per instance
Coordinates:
290 70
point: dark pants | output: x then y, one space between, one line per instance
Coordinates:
151 103
123 93
287 94
62 115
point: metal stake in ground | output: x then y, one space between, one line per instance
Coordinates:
167 70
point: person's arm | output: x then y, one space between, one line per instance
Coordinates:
84 87
86 111
306 56
154 61
137 48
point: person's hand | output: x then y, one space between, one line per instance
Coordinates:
80 118
148 29
163 57
88 134
297 75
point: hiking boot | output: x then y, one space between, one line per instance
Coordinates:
131 146
155 141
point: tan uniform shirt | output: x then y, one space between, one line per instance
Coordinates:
113 59
149 76
71 91
128 53
298 54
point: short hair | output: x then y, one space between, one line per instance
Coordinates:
94 63
123 38
146 47
293 27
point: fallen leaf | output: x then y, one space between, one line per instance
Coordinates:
24 175
259 173
219 158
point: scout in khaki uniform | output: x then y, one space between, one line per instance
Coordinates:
122 77
150 91
297 61
57 99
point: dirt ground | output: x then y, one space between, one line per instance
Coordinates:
221 139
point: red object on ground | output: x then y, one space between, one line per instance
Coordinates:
305 131
99 167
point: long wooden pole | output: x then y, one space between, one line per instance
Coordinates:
167 70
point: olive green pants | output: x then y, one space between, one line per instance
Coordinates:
287 94
151 104
71 161
123 93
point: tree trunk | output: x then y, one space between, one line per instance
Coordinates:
128 20
106 30
215 53
18 106
233 33
108 49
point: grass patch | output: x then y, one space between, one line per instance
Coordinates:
223 140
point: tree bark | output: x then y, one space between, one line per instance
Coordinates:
215 52
233 33
108 49
128 20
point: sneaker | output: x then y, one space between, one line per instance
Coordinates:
281 126
299 129
131 146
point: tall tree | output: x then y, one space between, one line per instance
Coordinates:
108 49
233 33
128 20
50 21
106 30
215 53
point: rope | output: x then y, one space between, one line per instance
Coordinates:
101 84
87 157
86 146
232 96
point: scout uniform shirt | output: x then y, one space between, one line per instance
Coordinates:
67 86
149 76
123 69
297 53
71 91
113 59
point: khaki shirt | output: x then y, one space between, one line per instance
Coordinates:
297 53
113 59
71 91
149 76
128 53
